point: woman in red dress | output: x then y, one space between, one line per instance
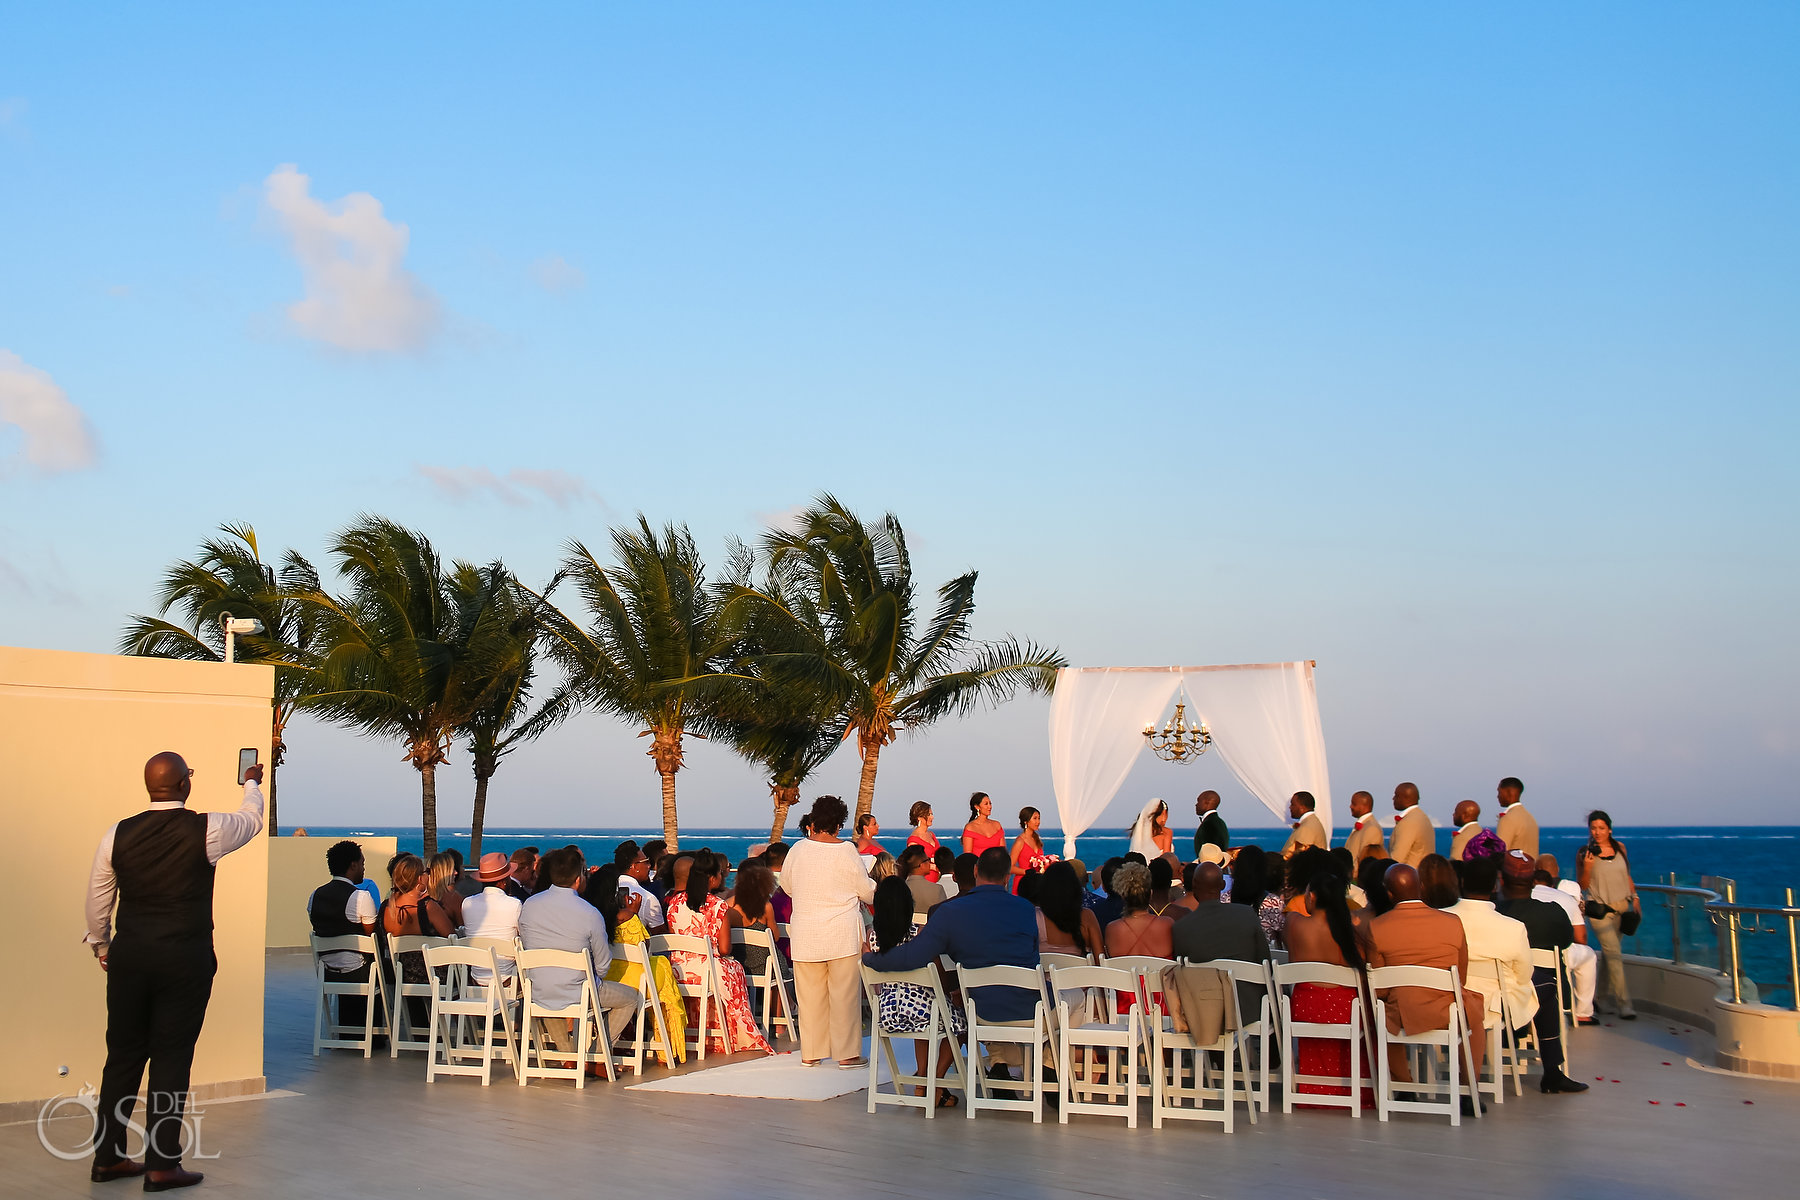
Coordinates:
1328 931
1027 846
982 832
920 816
698 913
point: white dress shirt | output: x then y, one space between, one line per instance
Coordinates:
1555 895
225 832
557 918
1494 935
493 914
650 909
359 909
828 883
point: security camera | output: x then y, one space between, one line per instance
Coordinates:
242 625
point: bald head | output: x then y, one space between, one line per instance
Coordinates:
1361 804
1206 802
1547 865
168 778
1466 811
1209 881
1405 796
1402 883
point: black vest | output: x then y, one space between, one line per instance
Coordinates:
165 882
326 911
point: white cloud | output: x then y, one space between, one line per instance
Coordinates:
56 434
783 519
359 294
472 483
557 275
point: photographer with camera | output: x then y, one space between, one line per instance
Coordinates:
1610 902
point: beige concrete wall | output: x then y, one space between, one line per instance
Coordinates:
75 730
296 867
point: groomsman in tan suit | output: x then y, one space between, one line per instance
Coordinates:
1468 823
1308 829
1516 827
1413 935
1414 834
1365 838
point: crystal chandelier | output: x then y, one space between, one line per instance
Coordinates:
1179 741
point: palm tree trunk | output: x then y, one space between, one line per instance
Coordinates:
865 795
784 800
428 799
477 818
671 828
276 747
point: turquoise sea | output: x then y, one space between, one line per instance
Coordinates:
1761 859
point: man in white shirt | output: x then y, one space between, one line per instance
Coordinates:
634 871
1584 964
492 913
158 867
1497 938
560 918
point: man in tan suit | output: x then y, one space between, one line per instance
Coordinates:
1308 829
1365 837
1468 823
1414 834
1411 934
1516 827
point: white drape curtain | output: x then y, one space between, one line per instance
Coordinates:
1264 718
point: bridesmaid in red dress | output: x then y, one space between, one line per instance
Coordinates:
1027 846
982 832
1328 931
920 817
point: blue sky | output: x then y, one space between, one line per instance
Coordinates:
1453 347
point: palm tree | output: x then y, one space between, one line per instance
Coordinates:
410 651
502 721
229 576
874 660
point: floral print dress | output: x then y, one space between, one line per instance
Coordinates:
743 1033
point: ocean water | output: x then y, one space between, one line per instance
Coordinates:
1761 859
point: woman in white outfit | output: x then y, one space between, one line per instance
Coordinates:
829 884
1150 835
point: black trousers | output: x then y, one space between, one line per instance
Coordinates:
155 1005
1543 980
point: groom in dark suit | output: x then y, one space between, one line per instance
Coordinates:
1212 826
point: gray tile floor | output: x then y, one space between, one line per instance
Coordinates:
373 1129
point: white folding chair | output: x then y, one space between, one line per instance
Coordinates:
585 1012
769 987
399 1016
1423 1048
1260 1024
1147 970
1029 1034
700 952
943 1030
1503 1058
1291 975
328 1034
1050 960
1180 1067
457 1003
649 1010
1109 1046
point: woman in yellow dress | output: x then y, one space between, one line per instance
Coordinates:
630 931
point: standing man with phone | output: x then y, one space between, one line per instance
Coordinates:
159 962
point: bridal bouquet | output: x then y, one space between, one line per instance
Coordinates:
1038 862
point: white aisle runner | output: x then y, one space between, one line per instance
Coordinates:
783 1077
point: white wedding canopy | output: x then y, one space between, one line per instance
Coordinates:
1264 718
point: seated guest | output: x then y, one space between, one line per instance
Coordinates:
524 876
1218 930
751 909
1547 927
881 865
412 911
1369 878
962 873
988 926
1138 931
341 908
698 912
1186 903
1438 884
628 929
1301 867
1345 865
912 867
466 883
1249 878
1272 908
492 914
634 877
442 870
1414 934
1109 908
904 1008
1065 926
1162 887
654 851
558 918
1498 939
944 867
1468 823
1580 959
1325 930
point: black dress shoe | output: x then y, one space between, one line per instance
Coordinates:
1587 1021
1468 1109
125 1168
164 1181
1558 1082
